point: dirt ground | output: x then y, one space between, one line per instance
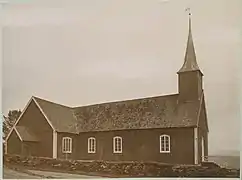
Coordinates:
11 174
36 174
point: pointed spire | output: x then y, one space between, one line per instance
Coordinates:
190 62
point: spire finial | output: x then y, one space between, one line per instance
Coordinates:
189 11
189 14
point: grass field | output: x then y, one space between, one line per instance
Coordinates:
226 161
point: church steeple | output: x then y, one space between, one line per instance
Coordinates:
190 62
190 78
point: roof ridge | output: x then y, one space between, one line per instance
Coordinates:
38 98
125 100
115 101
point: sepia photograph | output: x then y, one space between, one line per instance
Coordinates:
120 89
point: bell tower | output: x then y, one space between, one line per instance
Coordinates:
190 77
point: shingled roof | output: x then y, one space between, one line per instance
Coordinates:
153 112
145 113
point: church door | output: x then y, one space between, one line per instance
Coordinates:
26 149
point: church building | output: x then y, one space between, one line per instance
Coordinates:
169 129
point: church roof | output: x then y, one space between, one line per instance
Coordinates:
145 113
190 62
26 134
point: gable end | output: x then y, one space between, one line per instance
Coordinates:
41 110
205 112
202 109
23 112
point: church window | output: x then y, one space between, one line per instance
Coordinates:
91 145
117 144
165 144
66 145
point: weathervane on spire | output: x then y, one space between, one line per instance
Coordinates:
188 10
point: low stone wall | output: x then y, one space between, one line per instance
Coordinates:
121 169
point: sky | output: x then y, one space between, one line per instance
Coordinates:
79 52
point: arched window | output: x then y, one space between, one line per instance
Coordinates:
165 144
117 144
66 145
91 145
